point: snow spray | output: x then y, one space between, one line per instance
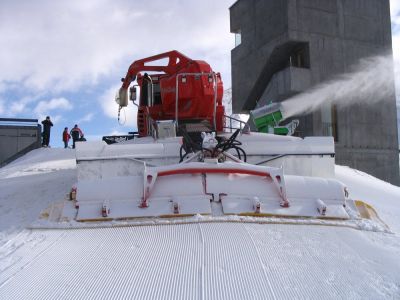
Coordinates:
371 81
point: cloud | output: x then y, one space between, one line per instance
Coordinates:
87 118
395 11
396 55
396 46
17 107
395 15
55 104
65 45
110 108
56 118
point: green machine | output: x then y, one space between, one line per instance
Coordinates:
268 118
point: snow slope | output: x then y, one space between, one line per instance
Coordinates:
201 261
30 184
188 261
383 196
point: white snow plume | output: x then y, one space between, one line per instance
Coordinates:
371 81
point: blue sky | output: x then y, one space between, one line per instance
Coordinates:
65 58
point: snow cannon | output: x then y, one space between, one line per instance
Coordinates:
267 119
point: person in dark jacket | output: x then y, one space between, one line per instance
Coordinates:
76 134
46 131
65 137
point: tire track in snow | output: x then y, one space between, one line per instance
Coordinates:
234 270
76 255
289 264
266 277
318 264
196 261
202 267
34 259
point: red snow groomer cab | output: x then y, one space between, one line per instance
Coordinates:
186 92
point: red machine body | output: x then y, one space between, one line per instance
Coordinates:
186 91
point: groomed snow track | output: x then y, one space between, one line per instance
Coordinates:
198 261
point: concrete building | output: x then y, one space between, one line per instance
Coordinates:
284 47
18 137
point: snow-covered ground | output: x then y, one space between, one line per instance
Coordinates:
188 261
384 197
30 184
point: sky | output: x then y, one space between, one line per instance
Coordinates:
65 58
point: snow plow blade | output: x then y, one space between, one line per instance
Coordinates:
366 211
143 181
198 188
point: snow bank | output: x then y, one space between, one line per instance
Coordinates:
29 184
383 196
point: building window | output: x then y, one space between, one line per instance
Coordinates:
300 57
238 38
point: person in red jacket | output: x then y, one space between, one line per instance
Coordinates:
66 136
76 134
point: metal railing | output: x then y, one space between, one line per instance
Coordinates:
151 125
17 121
233 123
112 139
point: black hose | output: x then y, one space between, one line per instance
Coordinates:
231 143
238 152
244 153
190 147
181 156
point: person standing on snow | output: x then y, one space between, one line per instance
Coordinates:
46 131
76 134
65 137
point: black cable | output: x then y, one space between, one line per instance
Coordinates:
181 157
231 143
243 152
237 151
189 146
